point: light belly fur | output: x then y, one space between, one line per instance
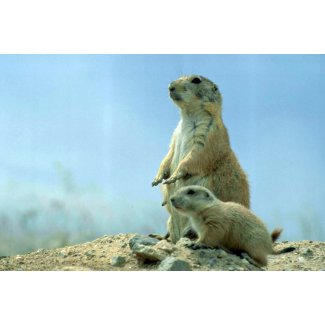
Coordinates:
184 139
184 134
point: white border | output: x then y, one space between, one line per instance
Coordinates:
161 27
143 26
161 297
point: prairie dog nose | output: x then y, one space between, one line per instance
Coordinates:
171 86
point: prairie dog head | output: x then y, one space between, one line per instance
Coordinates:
188 91
190 200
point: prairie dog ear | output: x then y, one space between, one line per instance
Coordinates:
209 196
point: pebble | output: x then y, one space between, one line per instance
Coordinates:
221 253
174 264
90 253
19 259
142 240
244 261
301 259
307 252
183 242
148 253
118 261
165 246
212 262
63 254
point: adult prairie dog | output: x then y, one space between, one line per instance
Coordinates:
200 152
227 225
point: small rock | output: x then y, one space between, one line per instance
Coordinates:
244 261
142 240
90 253
221 253
301 259
148 253
174 264
19 259
40 250
165 246
202 253
63 254
118 261
183 242
212 262
307 252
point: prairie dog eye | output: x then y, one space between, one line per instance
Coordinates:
190 192
196 80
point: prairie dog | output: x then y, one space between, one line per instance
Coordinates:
200 152
227 225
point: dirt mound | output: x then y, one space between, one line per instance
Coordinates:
133 252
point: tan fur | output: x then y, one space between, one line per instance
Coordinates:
200 152
276 234
225 224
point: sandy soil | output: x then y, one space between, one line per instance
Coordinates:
110 253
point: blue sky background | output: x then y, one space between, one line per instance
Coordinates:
108 119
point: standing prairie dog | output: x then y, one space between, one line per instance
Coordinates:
200 152
226 225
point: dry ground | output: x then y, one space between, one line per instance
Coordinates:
97 255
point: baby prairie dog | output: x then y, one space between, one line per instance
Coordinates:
200 152
226 225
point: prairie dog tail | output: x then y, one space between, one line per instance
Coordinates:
275 235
